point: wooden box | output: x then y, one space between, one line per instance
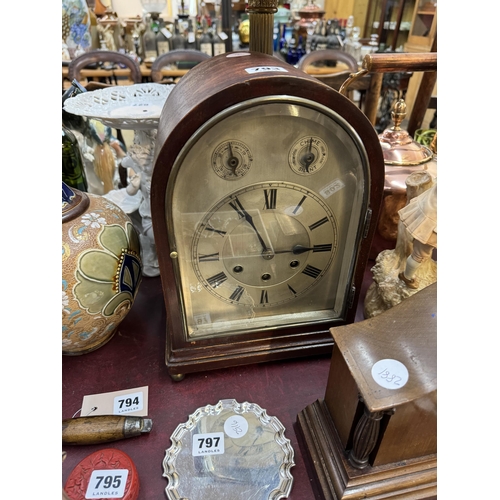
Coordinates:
371 437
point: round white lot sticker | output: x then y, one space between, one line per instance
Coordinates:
236 426
390 373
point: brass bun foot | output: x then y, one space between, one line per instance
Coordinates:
177 377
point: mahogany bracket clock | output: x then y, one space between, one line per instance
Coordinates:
265 194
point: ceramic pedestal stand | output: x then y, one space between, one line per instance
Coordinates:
140 159
138 108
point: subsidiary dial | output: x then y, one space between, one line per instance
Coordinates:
231 160
308 155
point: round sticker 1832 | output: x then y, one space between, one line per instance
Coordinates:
390 373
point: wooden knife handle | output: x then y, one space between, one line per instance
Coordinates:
102 429
383 63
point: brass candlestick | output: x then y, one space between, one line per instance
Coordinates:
261 17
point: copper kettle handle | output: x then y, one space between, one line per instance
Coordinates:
386 63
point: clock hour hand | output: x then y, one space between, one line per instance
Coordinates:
298 249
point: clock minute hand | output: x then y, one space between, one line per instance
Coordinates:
243 213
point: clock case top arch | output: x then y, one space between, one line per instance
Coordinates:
208 89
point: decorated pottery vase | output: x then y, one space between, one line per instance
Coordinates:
76 38
101 269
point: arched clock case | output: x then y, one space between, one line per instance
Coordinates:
265 194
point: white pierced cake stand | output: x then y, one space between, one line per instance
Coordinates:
138 108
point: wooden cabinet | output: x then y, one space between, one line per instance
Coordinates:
422 38
411 24
390 20
423 27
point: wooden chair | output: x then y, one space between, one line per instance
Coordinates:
175 56
377 64
328 55
332 77
105 56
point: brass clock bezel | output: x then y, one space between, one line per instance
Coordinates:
221 117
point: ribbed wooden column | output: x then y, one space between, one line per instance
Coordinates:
261 17
365 438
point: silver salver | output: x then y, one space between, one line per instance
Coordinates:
229 451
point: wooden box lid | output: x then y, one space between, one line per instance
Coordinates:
406 333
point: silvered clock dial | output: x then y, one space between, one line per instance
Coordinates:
262 194
271 257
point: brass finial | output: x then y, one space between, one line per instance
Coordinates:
398 114
398 146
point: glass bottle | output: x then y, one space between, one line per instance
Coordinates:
219 36
342 29
333 39
276 35
301 51
219 45
73 173
149 43
94 33
178 41
163 39
311 36
291 57
321 41
316 35
283 45
205 40
191 37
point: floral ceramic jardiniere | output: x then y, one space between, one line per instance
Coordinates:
101 269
